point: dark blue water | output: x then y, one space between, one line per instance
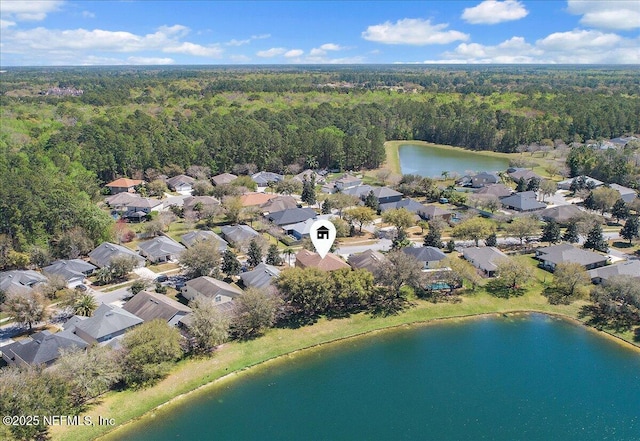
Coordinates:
430 161
518 378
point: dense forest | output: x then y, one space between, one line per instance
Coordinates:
57 150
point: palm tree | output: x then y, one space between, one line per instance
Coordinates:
85 305
288 252
445 175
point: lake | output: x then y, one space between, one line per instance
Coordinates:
529 377
431 161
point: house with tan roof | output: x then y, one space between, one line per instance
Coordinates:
217 290
308 259
223 179
279 203
370 260
123 185
150 306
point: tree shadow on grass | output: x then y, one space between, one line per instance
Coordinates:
636 335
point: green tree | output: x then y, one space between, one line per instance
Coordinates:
121 266
521 185
371 201
201 259
73 244
352 290
209 327
288 187
461 270
604 198
157 188
360 216
26 309
616 304
232 206
595 240
401 218
434 235
547 188
551 232
84 305
512 278
230 264
491 240
570 281
139 285
474 229
571 233
273 255
149 351
620 210
399 270
254 312
326 206
306 293
309 190
631 229
340 201
533 184
523 228
254 254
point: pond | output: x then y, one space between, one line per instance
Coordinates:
431 161
529 377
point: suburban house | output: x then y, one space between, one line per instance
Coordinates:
256 199
410 205
566 184
20 281
181 184
628 268
175 201
102 255
523 201
370 260
435 212
190 238
263 178
561 214
150 306
239 234
551 256
291 216
190 203
123 185
217 290
261 276
497 190
626 194
522 173
430 257
303 229
145 205
279 203
308 259
42 348
120 201
346 181
385 195
73 271
319 179
484 258
108 322
484 178
223 179
361 191
161 249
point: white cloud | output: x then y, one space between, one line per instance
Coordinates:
235 42
88 14
493 11
25 10
6 24
317 52
194 49
293 53
622 15
150 60
331 47
412 31
573 47
270 53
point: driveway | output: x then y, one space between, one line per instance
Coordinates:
145 273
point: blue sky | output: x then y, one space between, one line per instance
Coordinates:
35 33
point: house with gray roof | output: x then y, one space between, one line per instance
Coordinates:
385 195
223 179
523 201
484 178
408 204
161 249
279 203
360 191
566 184
145 205
497 190
517 173
151 306
484 258
42 348
121 200
191 202
102 255
260 277
190 238
347 181
239 234
263 178
626 194
370 260
181 183
303 229
319 179
435 212
603 274
214 289
551 256
561 214
430 257
20 281
291 216
108 322
73 271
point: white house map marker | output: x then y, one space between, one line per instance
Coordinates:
323 233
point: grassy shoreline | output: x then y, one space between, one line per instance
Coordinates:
191 376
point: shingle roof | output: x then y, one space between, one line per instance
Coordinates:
207 201
568 253
124 183
484 258
251 199
308 173
626 194
425 254
524 173
279 203
360 191
196 236
210 287
150 305
69 269
20 281
106 251
291 216
43 347
369 259
385 192
560 213
223 178
524 201
331 262
628 268
264 178
121 199
238 233
261 276
107 320
180 180
498 190
161 246
408 204
432 211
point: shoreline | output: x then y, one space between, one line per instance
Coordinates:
234 375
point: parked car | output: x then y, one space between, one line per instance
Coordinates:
82 288
162 278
